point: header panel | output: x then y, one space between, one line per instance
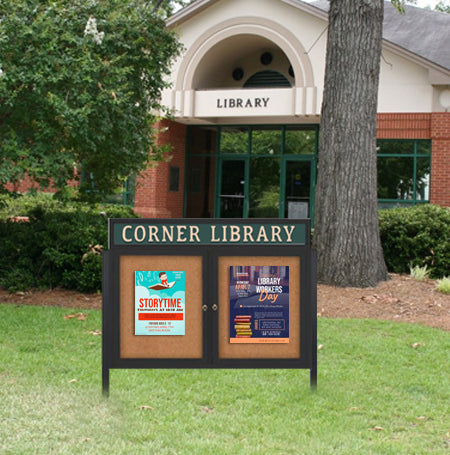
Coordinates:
151 232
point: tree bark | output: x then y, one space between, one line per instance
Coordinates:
347 235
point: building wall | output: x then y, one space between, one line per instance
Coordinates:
408 101
405 82
434 126
152 196
27 184
440 158
404 126
24 185
154 200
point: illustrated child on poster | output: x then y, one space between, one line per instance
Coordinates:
163 278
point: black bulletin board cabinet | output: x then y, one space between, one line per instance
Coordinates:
210 320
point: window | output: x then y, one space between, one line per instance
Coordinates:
245 171
122 195
267 79
403 172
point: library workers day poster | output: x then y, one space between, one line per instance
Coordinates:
259 304
159 303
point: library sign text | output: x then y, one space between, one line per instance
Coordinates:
209 234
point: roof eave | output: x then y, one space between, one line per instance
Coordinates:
194 8
313 10
187 12
199 5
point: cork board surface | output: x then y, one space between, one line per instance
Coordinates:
189 346
229 350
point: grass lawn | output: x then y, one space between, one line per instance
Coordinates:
377 394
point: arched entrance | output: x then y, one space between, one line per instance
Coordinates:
247 89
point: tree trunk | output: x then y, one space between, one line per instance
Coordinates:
346 235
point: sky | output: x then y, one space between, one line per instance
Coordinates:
421 3
431 3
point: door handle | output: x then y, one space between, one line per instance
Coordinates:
214 307
204 307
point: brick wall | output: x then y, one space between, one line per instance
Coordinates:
440 158
154 200
24 185
27 184
152 197
404 126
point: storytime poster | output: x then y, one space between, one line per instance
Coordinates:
159 303
259 304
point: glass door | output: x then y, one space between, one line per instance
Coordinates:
299 188
232 190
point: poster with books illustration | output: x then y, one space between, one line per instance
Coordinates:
159 303
259 304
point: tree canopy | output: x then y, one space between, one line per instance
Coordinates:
80 83
443 7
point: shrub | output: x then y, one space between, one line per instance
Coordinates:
60 245
20 205
419 273
443 285
416 236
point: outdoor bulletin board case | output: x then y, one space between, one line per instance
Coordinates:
209 293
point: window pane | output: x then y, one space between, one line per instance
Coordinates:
395 178
234 140
129 190
300 141
298 184
394 205
266 141
264 187
423 179
400 147
424 147
233 189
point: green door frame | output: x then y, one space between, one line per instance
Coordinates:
284 160
220 158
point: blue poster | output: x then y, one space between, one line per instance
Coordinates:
159 303
259 304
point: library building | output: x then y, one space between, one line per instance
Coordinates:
246 96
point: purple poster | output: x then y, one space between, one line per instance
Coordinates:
259 304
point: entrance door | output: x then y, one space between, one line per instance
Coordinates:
299 186
231 200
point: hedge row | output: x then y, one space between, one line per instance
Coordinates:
416 236
60 245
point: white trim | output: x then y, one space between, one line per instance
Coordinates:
283 38
194 8
188 11
307 8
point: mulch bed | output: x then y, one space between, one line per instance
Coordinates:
401 299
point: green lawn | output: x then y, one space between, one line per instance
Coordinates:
376 395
